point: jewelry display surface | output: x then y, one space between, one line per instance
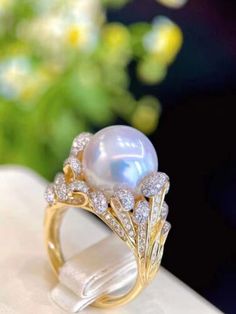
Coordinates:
26 278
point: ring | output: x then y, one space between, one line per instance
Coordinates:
113 174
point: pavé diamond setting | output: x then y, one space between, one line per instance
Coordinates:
126 197
79 143
114 175
141 212
98 201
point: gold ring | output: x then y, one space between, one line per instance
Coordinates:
113 174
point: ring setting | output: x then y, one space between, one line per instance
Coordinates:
113 174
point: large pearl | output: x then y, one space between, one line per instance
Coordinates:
118 155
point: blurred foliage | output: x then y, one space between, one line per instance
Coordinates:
64 69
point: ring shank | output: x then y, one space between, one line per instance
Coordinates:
53 220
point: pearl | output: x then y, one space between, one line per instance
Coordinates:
118 155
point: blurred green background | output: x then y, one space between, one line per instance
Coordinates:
64 69
72 66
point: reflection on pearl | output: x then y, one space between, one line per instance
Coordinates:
118 155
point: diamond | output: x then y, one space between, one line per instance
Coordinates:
124 217
153 183
164 211
166 228
126 221
121 232
61 192
108 217
114 224
80 142
158 198
99 201
59 179
142 231
128 227
74 163
126 198
60 187
49 194
155 213
141 212
78 186
131 233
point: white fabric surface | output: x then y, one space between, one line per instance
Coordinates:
105 267
25 276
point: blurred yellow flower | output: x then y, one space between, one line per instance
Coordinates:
116 35
164 40
4 4
151 71
74 35
116 43
81 36
176 4
147 114
76 25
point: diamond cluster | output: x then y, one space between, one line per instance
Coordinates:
80 143
78 186
61 189
49 194
74 163
164 211
126 198
156 207
141 212
142 238
153 183
124 217
166 228
99 201
114 225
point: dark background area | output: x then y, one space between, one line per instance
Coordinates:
196 144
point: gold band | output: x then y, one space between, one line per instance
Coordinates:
53 219
148 260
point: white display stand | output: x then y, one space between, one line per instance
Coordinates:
26 280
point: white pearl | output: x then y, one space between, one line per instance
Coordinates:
118 155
